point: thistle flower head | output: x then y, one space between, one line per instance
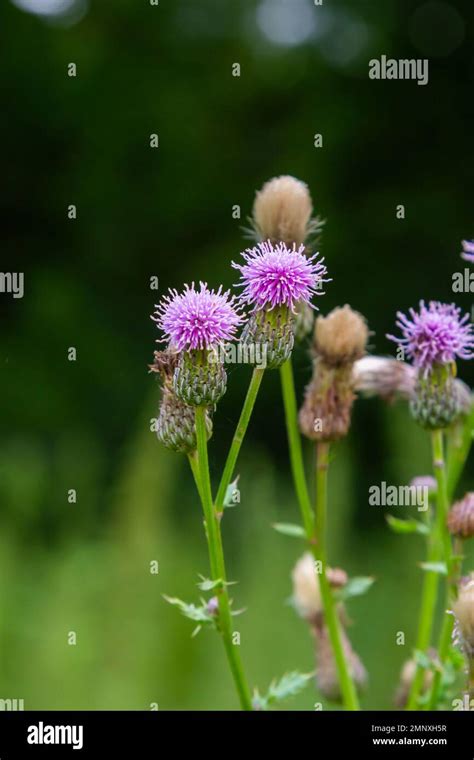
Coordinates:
342 336
406 679
176 424
468 250
164 364
282 210
306 591
197 319
279 276
390 378
461 517
424 481
380 376
437 334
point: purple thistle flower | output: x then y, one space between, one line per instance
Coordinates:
279 276
468 250
197 319
436 335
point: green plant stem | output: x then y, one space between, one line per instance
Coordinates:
331 617
429 596
194 464
453 568
439 549
445 638
238 438
315 529
216 559
460 441
295 449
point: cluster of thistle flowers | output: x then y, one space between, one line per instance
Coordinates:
433 338
278 280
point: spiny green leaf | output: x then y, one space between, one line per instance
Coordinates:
289 529
407 526
434 567
199 614
354 587
206 584
287 686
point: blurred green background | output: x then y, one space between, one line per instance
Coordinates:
167 212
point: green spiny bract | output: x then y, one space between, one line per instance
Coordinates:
435 404
273 331
199 378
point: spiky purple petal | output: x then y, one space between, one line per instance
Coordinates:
279 276
437 334
197 319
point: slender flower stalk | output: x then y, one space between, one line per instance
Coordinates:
330 612
339 340
195 323
315 530
459 445
460 524
216 561
445 639
296 450
439 550
241 429
194 465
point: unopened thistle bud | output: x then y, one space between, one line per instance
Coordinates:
341 337
406 679
463 609
327 678
424 481
176 423
282 212
433 338
274 281
195 322
386 378
339 340
306 591
461 517
390 379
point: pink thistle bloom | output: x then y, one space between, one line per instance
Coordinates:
437 334
197 319
468 250
279 276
